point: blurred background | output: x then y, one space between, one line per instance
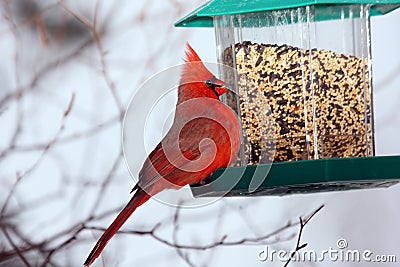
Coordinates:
67 72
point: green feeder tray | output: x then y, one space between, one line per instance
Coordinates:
203 16
299 177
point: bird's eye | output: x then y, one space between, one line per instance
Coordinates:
209 83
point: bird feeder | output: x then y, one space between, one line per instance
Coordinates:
302 88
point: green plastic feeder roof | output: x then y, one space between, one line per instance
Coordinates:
203 16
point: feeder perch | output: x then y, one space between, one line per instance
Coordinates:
302 88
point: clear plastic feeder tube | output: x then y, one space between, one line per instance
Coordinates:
303 81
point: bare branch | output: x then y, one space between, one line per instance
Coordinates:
15 247
302 223
261 240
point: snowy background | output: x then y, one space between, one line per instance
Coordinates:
67 72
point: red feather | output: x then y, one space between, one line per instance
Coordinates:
191 55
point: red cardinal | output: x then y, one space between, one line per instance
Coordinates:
205 136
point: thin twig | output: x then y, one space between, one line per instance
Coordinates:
302 223
15 247
184 256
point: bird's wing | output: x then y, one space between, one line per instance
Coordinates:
160 166
163 167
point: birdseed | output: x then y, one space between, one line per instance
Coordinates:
295 86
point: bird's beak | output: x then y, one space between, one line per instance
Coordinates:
221 90
220 87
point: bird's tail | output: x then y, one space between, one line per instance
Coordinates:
138 199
